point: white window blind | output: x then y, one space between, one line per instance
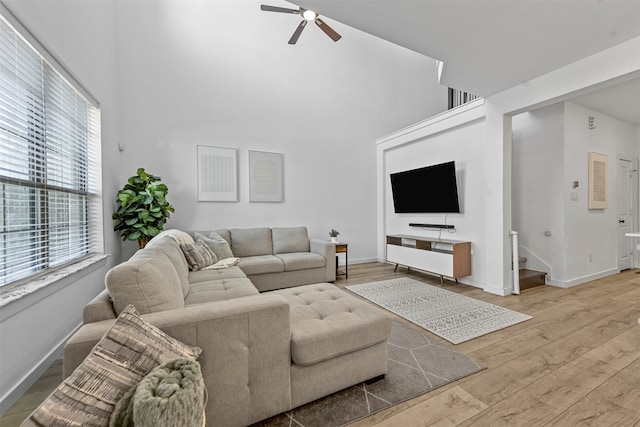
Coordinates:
50 202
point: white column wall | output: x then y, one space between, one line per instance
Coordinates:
616 64
426 144
538 194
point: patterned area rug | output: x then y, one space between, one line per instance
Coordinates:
452 316
417 364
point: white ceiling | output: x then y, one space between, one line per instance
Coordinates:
621 101
491 45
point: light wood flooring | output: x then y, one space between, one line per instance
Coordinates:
576 363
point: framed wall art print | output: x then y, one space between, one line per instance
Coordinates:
266 183
597 181
217 174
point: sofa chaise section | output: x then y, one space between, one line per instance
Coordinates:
245 361
337 340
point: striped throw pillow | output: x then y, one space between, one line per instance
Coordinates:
124 355
199 255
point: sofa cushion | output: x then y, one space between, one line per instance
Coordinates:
148 280
198 255
251 242
206 275
290 239
261 264
220 290
327 322
127 352
217 243
171 248
301 261
225 234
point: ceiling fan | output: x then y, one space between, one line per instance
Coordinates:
307 16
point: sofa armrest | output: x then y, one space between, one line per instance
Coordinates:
328 251
99 308
246 353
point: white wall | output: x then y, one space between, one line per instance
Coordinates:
551 147
538 187
222 74
462 145
33 329
428 143
170 75
593 253
617 64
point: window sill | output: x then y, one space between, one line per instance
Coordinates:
59 278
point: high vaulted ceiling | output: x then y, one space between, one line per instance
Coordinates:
491 45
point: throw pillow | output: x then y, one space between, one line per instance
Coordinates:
125 354
217 244
198 255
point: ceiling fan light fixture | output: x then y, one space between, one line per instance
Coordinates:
309 15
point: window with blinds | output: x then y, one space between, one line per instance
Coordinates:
50 204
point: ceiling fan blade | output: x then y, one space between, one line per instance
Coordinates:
297 32
278 9
328 30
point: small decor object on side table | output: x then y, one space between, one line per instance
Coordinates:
334 235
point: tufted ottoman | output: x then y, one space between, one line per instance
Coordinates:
337 340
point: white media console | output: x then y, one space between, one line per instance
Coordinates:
450 258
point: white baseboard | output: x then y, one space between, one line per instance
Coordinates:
497 290
11 397
580 280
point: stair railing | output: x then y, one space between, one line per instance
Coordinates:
515 262
459 97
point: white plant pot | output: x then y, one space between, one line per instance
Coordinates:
334 239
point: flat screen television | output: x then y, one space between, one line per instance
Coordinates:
431 189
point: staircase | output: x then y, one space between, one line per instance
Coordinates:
529 278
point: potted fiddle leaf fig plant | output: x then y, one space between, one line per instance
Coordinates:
143 208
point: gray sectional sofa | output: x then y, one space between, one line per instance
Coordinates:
279 257
264 351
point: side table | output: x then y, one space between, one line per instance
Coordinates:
343 248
